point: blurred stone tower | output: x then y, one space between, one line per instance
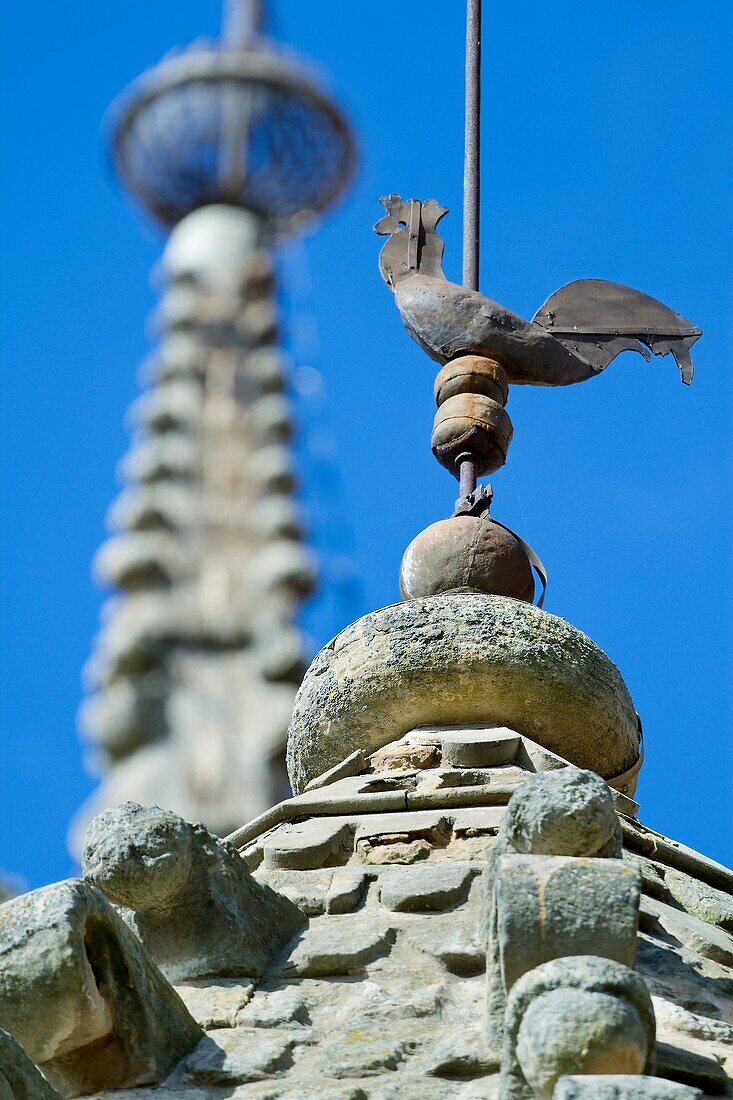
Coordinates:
233 146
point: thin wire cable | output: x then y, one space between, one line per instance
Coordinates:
510 467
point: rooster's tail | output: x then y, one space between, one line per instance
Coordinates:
598 320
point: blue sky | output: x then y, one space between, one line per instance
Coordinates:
606 134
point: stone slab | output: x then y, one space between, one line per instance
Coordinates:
621 1087
319 842
459 1052
286 1007
703 901
690 1068
306 889
186 894
354 763
335 945
706 939
238 1055
346 891
215 1002
480 748
419 823
428 888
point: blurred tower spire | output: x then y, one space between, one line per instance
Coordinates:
232 145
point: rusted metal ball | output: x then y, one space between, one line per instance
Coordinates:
466 554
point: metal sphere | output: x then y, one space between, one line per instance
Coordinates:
469 554
246 127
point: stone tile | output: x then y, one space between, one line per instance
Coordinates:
480 748
169 1091
306 889
703 901
319 842
215 1002
459 1052
277 1008
690 1068
462 957
386 998
235 1055
361 1049
405 1085
450 938
425 889
336 945
477 819
346 891
419 823
709 941
299 1090
674 1018
352 765
652 879
274 1090
621 1087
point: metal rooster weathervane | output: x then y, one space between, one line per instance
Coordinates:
483 346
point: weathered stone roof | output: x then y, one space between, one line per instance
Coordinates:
454 910
382 993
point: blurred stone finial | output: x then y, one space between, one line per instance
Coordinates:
238 121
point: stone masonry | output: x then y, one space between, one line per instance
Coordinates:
400 888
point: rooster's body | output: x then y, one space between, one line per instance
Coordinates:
573 336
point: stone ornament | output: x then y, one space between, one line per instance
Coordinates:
551 906
582 1015
566 813
81 995
187 895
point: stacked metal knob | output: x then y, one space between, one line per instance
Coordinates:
471 393
470 552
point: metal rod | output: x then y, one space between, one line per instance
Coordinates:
466 475
472 153
241 21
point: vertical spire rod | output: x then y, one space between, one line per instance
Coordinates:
241 21
466 464
472 155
